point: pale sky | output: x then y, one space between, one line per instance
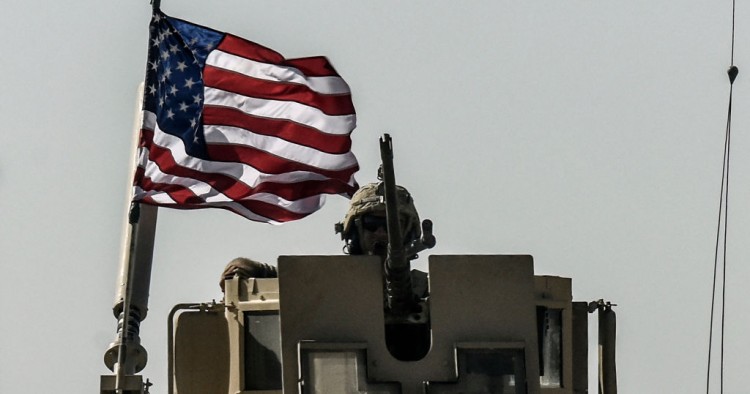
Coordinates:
588 134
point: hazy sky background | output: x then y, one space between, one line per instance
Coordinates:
588 134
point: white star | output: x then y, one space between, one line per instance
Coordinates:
193 41
170 114
165 55
173 90
174 48
153 65
156 41
152 90
197 99
161 101
167 73
195 139
157 17
193 122
189 83
183 107
181 66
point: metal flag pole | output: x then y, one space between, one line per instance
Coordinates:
125 356
124 332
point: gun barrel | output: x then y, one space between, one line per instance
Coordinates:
397 268
395 240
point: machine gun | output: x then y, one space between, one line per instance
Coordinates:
399 293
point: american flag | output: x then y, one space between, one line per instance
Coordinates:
228 123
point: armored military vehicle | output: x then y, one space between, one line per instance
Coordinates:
356 324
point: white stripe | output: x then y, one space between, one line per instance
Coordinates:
164 199
148 120
276 73
289 110
214 197
246 212
157 196
302 206
200 189
242 172
279 147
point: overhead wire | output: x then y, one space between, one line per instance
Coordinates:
723 208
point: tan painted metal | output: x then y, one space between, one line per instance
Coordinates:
580 347
333 305
132 384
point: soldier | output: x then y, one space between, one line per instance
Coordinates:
364 232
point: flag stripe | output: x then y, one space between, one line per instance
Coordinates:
161 158
234 179
295 112
277 149
234 82
257 209
270 164
162 199
324 84
250 50
152 135
293 132
182 191
314 66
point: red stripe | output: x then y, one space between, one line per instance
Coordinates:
235 189
139 171
249 50
185 199
285 129
317 66
270 211
270 164
259 88
180 194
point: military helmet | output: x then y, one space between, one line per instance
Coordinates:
369 199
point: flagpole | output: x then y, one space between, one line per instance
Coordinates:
125 356
125 338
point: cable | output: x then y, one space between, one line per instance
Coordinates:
723 207
716 256
726 223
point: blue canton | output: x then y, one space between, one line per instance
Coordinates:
174 78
